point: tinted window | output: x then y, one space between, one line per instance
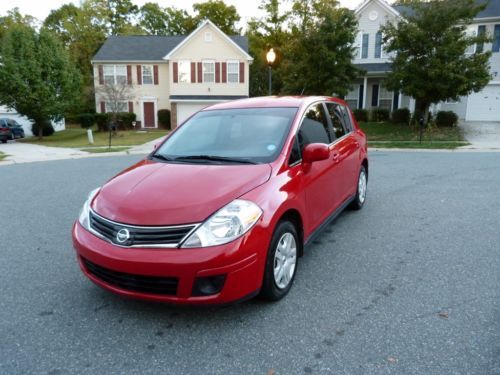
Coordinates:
2 123
295 154
256 134
314 127
337 118
347 118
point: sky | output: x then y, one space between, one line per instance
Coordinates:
41 8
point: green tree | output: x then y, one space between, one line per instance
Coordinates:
430 62
270 31
37 78
156 20
319 60
224 16
14 17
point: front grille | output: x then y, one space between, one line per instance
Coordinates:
136 283
137 236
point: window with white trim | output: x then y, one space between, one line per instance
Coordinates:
208 71
233 71
471 32
385 98
184 71
352 97
147 75
115 74
359 41
120 106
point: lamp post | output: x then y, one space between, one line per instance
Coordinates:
270 57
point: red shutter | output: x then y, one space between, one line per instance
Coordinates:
200 73
242 72
224 72
175 72
103 107
217 72
193 72
155 74
101 74
129 74
131 107
139 75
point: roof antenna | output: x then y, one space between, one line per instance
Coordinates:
302 92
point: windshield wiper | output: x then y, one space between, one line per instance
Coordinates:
215 158
161 157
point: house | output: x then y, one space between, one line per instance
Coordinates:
369 91
181 73
6 112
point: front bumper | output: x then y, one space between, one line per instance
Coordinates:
241 262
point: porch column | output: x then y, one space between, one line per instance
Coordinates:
400 97
365 92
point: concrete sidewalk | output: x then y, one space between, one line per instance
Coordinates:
28 153
481 135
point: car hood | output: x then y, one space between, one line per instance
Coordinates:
151 193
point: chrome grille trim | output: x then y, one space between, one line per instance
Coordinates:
105 235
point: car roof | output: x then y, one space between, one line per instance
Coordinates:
271 101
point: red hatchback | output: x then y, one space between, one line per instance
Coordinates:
223 208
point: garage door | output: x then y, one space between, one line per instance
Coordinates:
185 110
484 105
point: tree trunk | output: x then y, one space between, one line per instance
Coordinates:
40 130
422 111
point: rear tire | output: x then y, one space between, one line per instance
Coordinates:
360 198
281 263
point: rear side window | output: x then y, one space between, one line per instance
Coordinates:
340 119
3 124
314 127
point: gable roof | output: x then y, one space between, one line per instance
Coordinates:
492 10
198 29
148 47
384 5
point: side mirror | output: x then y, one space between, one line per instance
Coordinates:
315 152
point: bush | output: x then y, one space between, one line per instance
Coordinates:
361 115
47 128
446 119
164 118
86 120
379 114
102 120
125 119
401 116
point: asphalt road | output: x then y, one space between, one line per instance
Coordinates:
408 285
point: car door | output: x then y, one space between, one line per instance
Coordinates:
319 178
346 147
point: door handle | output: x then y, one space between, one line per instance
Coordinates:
335 157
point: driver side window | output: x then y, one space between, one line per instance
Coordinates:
314 129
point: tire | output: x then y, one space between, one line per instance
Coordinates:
360 198
281 263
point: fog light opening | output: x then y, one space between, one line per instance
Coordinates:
207 286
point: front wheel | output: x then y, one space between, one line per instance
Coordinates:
359 199
281 263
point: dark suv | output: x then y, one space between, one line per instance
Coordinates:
10 129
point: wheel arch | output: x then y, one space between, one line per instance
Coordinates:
295 218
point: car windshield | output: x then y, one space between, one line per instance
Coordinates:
248 135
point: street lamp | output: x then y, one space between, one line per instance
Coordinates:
270 57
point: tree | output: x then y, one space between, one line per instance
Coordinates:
14 17
156 20
270 31
37 78
320 54
222 15
430 62
115 94
82 32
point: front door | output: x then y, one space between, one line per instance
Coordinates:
149 115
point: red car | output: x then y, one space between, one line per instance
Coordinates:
223 208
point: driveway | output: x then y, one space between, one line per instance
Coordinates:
482 135
408 285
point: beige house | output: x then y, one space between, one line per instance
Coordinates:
181 73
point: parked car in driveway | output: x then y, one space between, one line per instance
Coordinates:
16 130
5 131
223 208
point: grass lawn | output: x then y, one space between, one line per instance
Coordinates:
75 137
3 156
387 135
105 149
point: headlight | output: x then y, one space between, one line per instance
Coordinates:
84 213
226 225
